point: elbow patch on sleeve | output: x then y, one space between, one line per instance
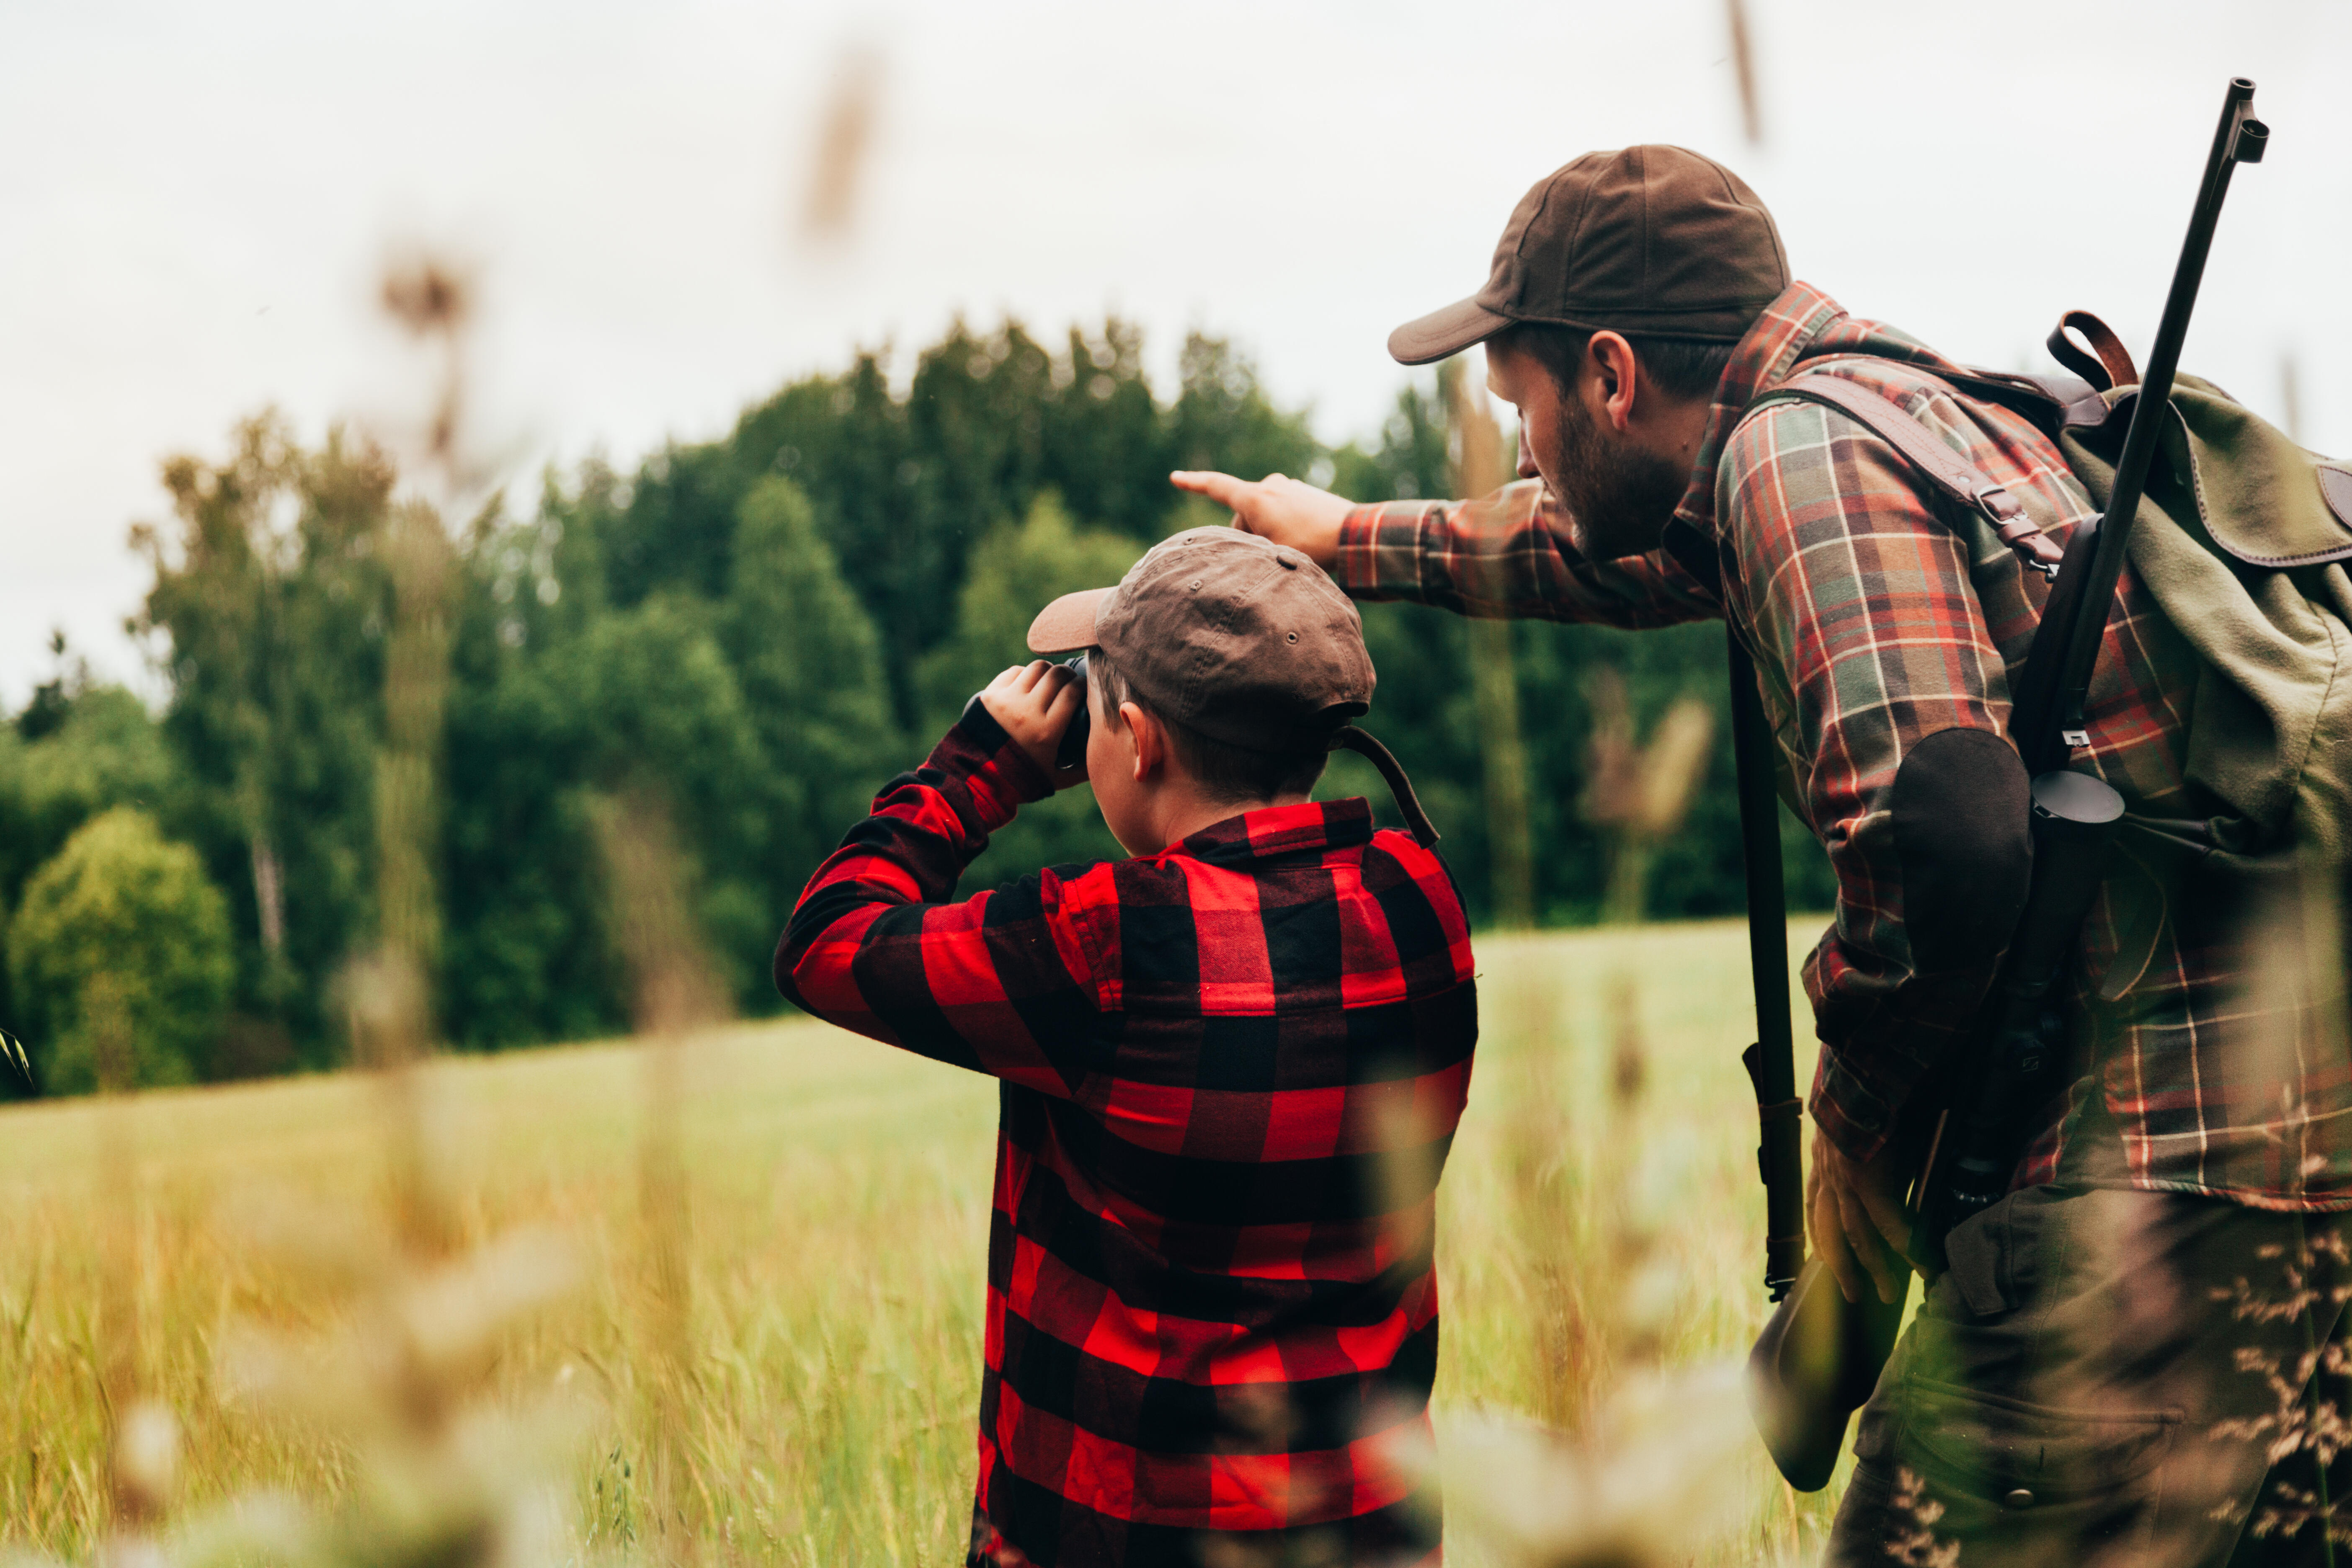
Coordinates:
1960 805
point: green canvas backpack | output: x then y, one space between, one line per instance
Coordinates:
2242 540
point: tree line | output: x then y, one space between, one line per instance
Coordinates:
757 631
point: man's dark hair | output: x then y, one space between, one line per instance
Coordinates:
1227 773
1681 368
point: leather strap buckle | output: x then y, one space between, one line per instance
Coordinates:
2035 548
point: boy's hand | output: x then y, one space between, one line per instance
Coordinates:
1276 508
1036 702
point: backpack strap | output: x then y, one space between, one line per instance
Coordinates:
2107 365
1935 460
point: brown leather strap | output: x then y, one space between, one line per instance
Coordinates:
2113 365
1349 737
1937 462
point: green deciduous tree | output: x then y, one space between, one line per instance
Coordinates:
268 617
122 915
93 747
810 667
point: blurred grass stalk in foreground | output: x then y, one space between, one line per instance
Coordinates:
675 994
1482 464
391 990
1625 1460
142 1439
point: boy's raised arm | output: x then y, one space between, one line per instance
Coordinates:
999 983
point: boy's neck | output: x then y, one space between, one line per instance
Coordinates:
1179 810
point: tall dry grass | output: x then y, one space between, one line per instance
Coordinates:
832 1255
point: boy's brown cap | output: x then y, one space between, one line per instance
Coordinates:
1651 241
1246 641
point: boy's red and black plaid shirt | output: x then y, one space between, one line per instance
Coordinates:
1230 1073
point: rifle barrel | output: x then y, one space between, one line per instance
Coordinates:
2239 139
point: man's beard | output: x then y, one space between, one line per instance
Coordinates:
1620 497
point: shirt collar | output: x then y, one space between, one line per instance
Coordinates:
1309 828
1799 314
1801 323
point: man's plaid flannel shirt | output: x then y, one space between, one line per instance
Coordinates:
1230 1073
1876 622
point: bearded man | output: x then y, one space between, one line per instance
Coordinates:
2137 1352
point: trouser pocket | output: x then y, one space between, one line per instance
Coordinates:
2005 1480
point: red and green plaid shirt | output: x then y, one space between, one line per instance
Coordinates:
1877 621
1230 1073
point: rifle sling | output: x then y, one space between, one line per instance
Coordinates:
1771 1059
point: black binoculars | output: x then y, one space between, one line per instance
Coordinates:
1072 751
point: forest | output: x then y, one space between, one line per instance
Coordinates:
756 632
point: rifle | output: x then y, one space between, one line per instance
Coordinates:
1820 1356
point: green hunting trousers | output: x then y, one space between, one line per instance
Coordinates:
2110 1377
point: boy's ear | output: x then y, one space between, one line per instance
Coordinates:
1150 741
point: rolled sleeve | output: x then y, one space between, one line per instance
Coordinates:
999 983
1508 555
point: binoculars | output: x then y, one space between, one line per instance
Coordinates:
1072 751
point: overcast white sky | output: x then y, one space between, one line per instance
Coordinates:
196 201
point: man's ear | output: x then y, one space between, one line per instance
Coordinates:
1617 375
1150 741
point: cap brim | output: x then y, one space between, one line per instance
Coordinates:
1442 334
1068 624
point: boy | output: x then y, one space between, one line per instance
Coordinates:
1231 1069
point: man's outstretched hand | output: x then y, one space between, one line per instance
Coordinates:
1860 1228
1276 508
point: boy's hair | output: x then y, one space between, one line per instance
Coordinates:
1226 773
1682 369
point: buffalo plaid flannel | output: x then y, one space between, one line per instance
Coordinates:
1877 620
1229 1073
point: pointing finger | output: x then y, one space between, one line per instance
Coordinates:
1223 488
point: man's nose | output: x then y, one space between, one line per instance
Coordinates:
1527 459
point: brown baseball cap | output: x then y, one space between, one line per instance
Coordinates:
1654 240
1244 640
1238 638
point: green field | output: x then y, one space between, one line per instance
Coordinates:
1595 1231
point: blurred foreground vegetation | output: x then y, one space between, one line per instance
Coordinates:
1600 1228
758 631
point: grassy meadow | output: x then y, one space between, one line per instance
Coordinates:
1601 1222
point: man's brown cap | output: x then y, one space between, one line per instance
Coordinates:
1649 241
1244 640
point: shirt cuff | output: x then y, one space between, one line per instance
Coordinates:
985 771
1380 553
1849 1113
1874 1062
